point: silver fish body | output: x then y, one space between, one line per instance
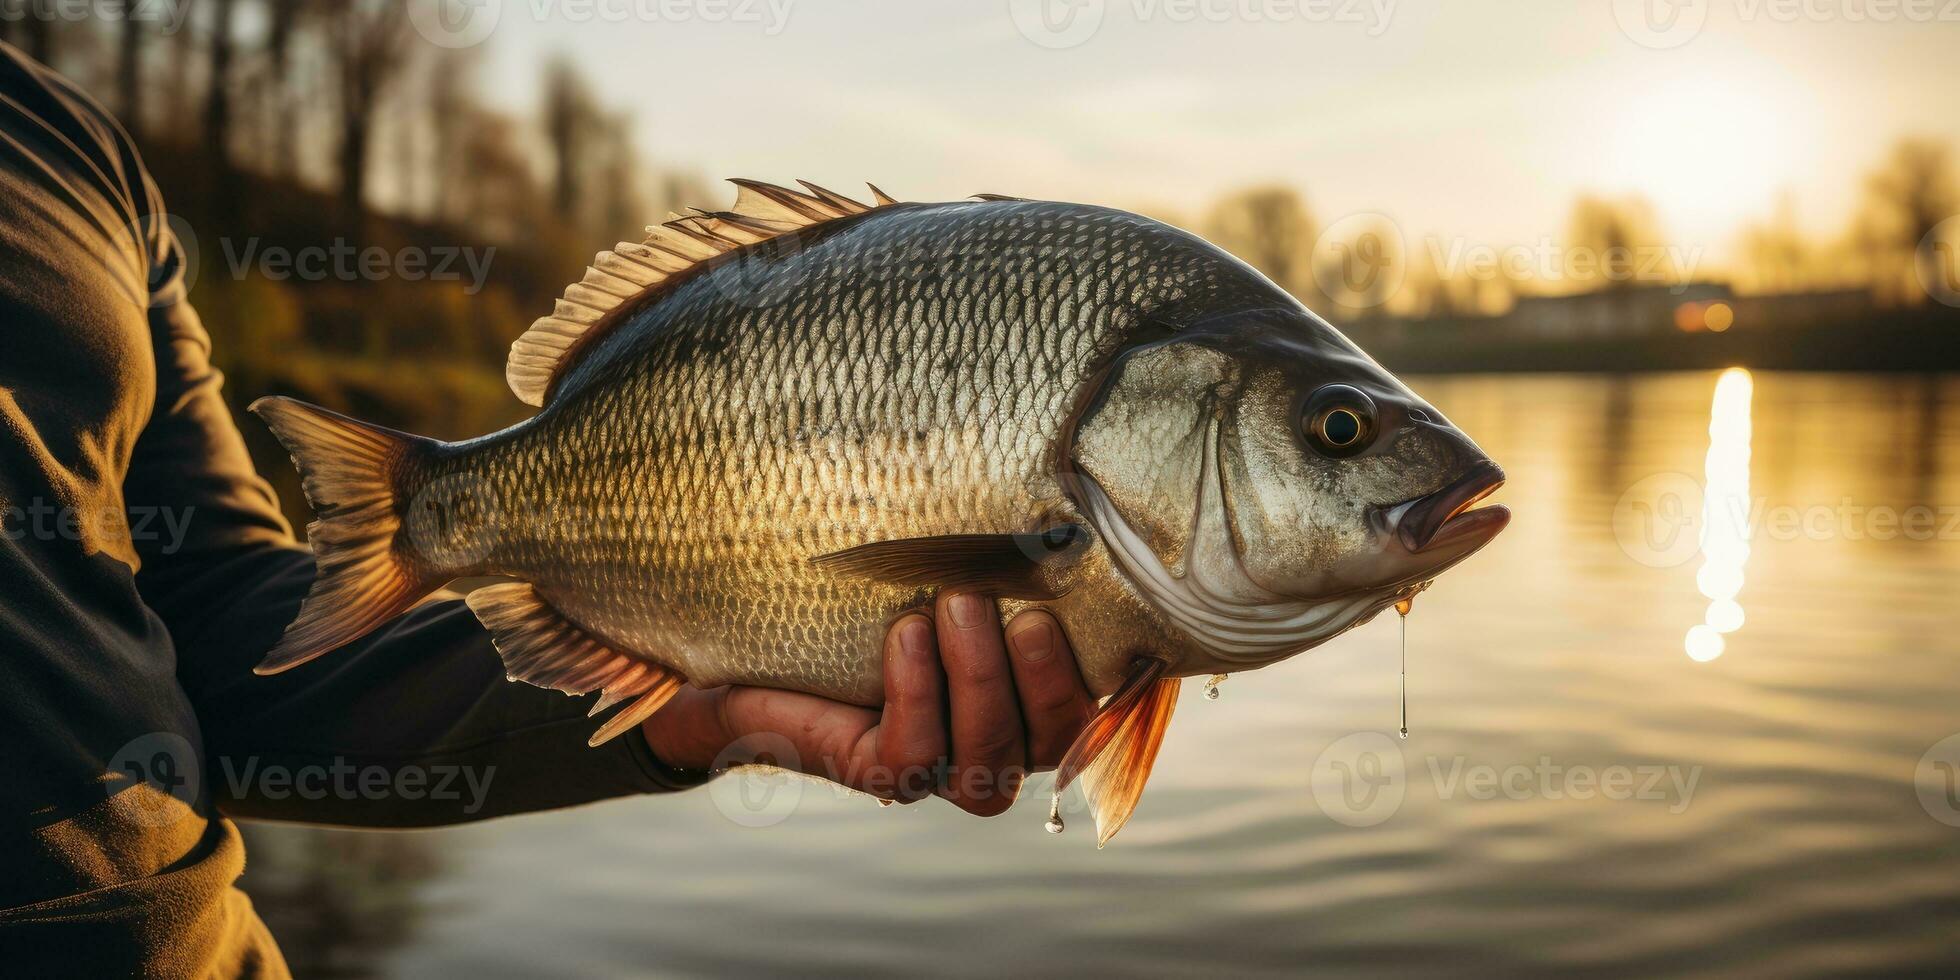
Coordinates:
1245 483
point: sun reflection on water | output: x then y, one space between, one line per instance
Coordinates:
1725 512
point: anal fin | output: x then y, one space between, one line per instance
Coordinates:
1007 565
542 648
1115 752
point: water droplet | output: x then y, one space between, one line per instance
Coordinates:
1403 609
1054 825
1211 686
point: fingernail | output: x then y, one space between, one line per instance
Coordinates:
1034 643
968 611
915 639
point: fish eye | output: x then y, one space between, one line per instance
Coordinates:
1338 421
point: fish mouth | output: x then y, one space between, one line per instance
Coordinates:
1450 516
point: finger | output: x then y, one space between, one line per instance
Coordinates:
912 730
819 736
734 726
1054 702
989 750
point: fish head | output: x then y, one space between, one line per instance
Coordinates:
1265 485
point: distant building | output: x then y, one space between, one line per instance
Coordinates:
1817 308
1629 311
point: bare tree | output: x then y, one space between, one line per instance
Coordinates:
217 101
1270 228
370 43
1905 199
37 36
450 113
1778 256
1612 234
283 20
129 72
572 125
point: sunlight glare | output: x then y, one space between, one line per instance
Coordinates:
1725 514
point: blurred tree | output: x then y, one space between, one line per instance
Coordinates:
217 106
1271 229
129 71
621 208
1609 243
284 20
182 57
1776 255
37 37
450 111
1905 199
571 123
370 42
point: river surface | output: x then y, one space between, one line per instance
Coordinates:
1695 712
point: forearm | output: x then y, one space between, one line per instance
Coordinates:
413 726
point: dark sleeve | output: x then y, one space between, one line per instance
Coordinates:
423 697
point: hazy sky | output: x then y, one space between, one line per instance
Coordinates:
1475 119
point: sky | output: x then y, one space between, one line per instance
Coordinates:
1480 121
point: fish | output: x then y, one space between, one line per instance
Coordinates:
764 432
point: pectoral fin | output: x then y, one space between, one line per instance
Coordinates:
543 648
1114 754
1008 565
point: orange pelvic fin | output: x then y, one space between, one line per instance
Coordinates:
1114 754
543 648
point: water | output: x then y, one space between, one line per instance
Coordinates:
1590 788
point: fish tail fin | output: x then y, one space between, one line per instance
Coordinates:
1113 756
351 472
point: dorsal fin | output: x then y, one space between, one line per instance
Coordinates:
761 212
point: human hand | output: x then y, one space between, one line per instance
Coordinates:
970 710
